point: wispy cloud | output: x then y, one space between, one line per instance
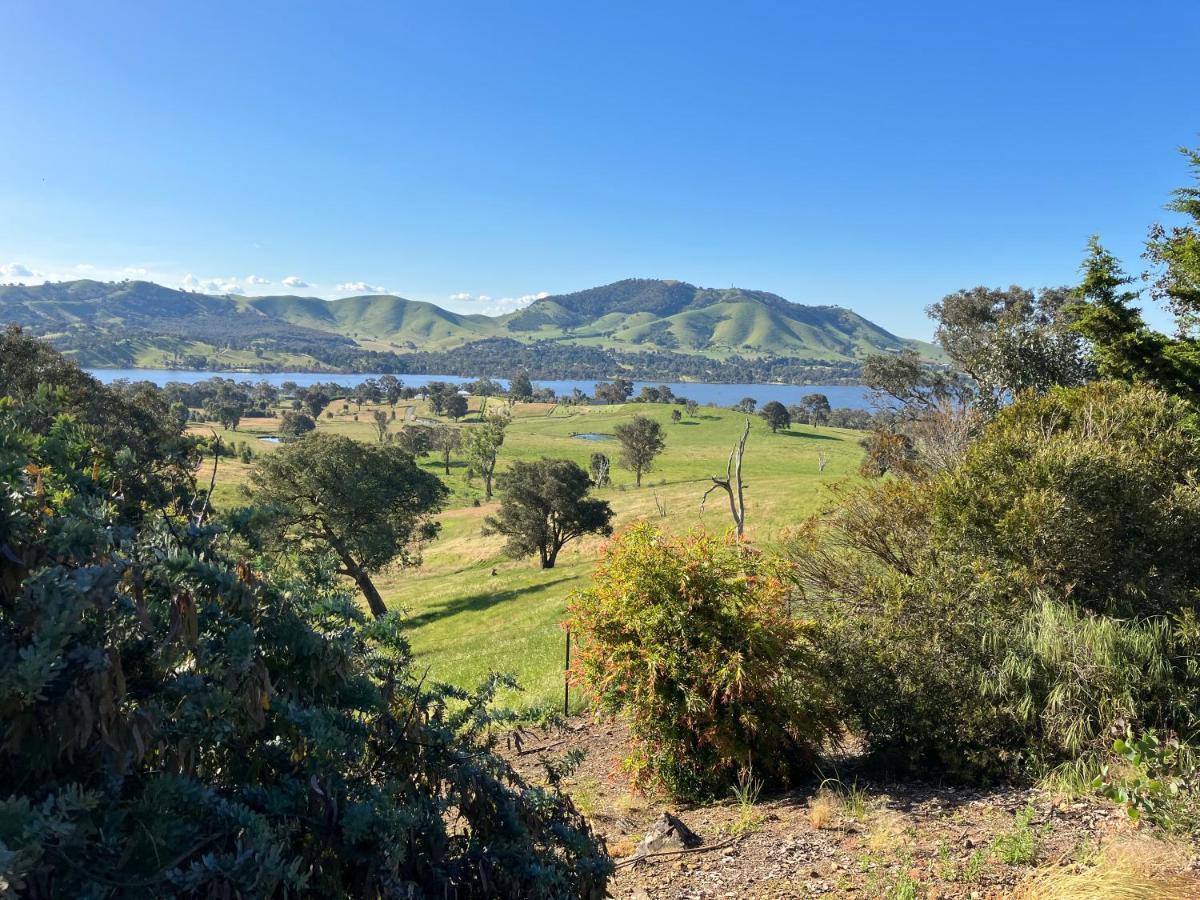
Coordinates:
84 267
254 279
294 281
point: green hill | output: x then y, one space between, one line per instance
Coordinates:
138 323
674 315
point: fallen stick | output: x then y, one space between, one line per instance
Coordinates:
541 748
661 853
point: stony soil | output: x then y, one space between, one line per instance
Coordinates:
909 840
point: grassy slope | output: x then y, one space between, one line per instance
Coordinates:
466 622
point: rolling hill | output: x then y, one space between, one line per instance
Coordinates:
138 323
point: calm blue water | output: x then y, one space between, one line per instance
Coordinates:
847 395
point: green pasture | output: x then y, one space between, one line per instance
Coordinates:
472 611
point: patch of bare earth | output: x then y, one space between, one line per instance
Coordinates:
853 838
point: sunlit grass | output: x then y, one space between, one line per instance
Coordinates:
466 621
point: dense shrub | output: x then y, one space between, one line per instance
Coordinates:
175 724
1088 494
692 641
1006 615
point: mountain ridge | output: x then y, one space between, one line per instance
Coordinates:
150 324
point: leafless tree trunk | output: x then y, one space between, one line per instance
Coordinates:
821 461
732 484
661 505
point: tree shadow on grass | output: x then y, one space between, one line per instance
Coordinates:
807 434
476 602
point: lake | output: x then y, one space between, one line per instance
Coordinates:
854 396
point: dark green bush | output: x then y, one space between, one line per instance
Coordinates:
175 724
1003 617
1088 494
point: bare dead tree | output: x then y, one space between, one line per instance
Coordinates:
822 459
202 514
660 505
732 484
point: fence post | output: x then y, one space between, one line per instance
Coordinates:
567 677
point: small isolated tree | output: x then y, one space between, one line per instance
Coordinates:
746 405
295 424
481 444
369 505
446 439
816 408
521 388
545 505
732 484
598 469
776 415
692 408
456 406
642 439
381 423
676 416
391 388
416 439
691 642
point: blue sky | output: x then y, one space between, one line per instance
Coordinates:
872 155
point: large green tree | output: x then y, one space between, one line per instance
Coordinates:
544 507
134 430
521 387
776 415
642 440
1013 340
368 505
1125 346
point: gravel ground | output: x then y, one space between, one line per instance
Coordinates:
902 840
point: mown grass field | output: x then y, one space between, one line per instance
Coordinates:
473 611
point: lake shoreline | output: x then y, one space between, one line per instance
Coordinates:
852 395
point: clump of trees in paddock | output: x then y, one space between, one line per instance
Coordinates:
295 424
189 718
545 505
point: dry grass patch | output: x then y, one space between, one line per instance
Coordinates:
823 810
1132 868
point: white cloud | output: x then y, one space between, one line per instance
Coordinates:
211 285
135 272
16 270
360 287
294 281
254 279
85 267
499 305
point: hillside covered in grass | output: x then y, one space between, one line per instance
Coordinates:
639 328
